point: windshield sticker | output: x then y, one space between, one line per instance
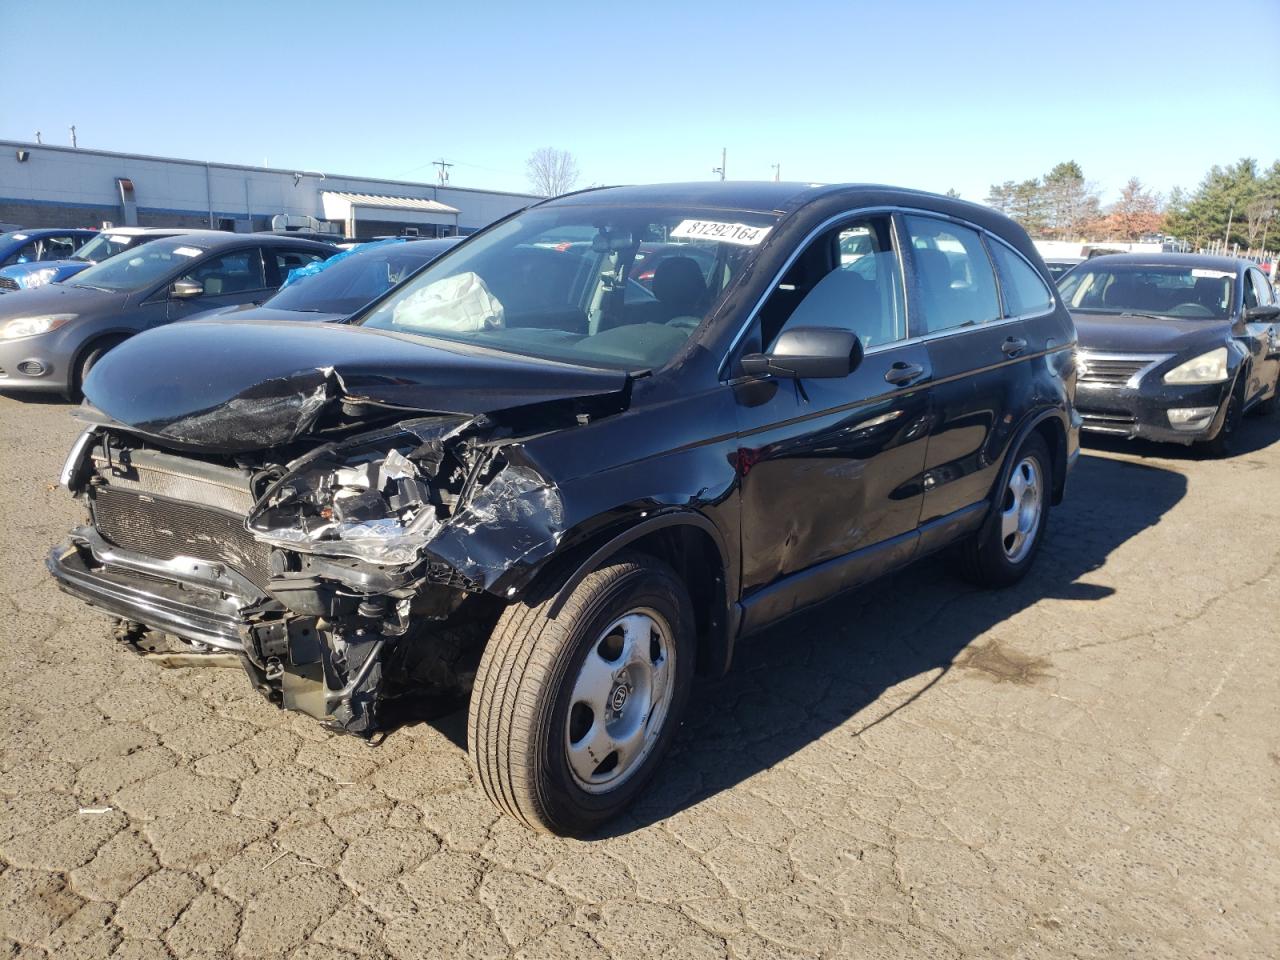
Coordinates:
740 233
118 239
187 251
1213 274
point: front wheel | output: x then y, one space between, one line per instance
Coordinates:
1002 550
1223 440
570 716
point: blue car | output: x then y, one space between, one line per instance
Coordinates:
25 274
38 246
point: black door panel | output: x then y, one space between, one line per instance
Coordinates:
829 467
978 388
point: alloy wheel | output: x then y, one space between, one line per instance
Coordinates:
620 700
1020 517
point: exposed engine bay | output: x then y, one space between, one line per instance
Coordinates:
352 574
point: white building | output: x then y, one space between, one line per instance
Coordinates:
51 186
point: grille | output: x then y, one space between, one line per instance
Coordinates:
8 283
164 529
1114 370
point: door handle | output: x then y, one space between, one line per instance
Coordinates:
1013 346
902 372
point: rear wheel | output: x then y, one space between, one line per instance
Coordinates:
1001 552
570 716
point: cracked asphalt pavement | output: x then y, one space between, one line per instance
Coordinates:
1087 765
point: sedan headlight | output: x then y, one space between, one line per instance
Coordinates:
34 326
1209 367
37 278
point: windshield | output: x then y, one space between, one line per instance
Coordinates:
1193 293
147 264
106 245
560 283
350 280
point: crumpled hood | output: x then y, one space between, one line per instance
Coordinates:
250 311
1146 334
232 386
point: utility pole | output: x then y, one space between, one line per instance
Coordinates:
724 152
777 172
38 140
442 175
1227 233
73 135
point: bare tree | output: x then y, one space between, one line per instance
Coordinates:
551 172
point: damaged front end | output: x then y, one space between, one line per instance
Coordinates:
354 574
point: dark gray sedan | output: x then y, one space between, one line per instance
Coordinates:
51 336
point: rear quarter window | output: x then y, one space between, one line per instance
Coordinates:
1025 293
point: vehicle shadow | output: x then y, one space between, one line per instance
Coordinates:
38 399
1256 432
828 667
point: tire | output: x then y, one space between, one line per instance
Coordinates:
1220 444
993 556
531 722
95 353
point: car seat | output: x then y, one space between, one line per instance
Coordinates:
680 288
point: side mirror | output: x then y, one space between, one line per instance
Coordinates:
186 289
1262 314
808 353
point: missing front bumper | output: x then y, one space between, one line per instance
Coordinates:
202 616
287 657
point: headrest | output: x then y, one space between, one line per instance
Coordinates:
678 283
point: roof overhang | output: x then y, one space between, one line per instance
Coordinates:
344 206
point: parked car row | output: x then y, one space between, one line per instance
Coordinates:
38 271
64 315
584 452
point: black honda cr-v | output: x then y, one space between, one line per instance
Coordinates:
606 483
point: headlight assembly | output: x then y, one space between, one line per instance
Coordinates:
20 327
377 510
1209 367
37 278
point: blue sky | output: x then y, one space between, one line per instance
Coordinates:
925 94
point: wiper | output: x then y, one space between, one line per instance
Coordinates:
90 286
1145 316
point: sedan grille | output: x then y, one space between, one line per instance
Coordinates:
165 529
1115 369
8 283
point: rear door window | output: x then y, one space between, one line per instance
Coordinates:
1025 293
956 282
